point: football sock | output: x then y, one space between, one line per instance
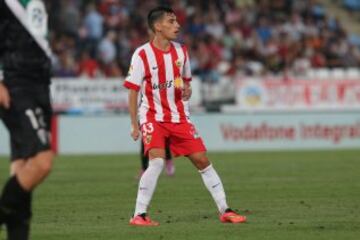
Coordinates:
16 204
144 158
214 185
2 215
144 162
147 185
168 153
19 230
14 197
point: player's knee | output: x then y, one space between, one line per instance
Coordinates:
201 162
204 163
46 167
45 162
156 153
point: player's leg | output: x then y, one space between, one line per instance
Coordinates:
146 188
144 160
16 165
28 125
17 193
18 223
186 141
210 178
20 230
35 170
148 180
32 172
169 164
14 199
214 185
167 150
154 142
27 175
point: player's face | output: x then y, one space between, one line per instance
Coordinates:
169 26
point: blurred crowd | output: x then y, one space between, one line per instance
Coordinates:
225 37
351 5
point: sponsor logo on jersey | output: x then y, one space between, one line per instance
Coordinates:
178 83
162 86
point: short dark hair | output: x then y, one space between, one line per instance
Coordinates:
157 13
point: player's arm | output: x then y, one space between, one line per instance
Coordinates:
133 109
186 77
187 91
133 83
4 94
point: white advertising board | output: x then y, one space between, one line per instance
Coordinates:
86 96
221 132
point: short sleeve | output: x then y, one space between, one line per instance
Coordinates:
187 69
136 73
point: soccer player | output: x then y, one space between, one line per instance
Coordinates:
24 108
169 163
160 69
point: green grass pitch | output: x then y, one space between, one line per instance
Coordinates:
286 195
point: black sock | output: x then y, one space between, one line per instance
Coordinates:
18 230
144 162
18 224
168 153
16 203
14 196
144 158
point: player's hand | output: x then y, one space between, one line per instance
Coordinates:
4 96
186 91
135 131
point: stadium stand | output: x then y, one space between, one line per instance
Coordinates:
227 39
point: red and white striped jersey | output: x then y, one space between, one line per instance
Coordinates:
159 75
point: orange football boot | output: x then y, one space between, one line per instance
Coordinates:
143 220
229 216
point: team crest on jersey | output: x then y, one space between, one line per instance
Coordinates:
178 63
178 82
148 139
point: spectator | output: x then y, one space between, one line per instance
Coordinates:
271 36
88 67
66 67
70 18
93 23
93 28
107 48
